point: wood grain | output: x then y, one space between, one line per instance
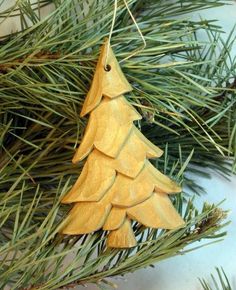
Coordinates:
110 83
118 184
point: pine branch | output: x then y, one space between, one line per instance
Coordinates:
37 58
187 106
221 283
46 71
35 246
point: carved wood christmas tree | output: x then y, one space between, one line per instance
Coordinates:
118 184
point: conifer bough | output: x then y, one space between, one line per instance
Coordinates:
185 94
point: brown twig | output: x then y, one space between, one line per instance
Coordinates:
39 56
232 86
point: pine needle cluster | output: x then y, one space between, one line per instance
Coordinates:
183 87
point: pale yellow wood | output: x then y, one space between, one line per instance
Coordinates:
127 162
162 182
132 156
110 83
129 192
86 145
74 193
115 121
115 219
86 217
99 173
117 183
95 179
110 125
122 237
156 212
152 151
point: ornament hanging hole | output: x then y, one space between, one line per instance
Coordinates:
107 68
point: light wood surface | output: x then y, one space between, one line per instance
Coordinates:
118 185
110 83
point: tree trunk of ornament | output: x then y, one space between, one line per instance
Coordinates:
118 184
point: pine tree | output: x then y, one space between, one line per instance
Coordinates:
117 183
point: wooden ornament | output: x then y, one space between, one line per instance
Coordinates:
118 184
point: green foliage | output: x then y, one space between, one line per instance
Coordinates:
185 90
222 283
